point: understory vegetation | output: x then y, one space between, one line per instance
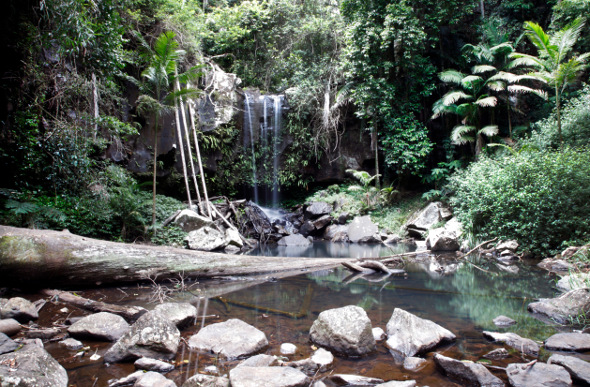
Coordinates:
482 104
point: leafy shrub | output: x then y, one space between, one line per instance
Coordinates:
541 199
575 121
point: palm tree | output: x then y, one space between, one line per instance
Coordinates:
468 103
551 64
158 85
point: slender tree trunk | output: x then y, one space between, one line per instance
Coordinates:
194 129
377 179
154 172
557 107
509 116
181 148
95 103
190 153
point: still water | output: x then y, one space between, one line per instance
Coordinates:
459 296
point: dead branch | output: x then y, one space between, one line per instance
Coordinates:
479 246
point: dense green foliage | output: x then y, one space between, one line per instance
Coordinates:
87 83
541 199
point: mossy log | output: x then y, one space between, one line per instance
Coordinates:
39 258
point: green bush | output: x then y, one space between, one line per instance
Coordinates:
541 199
575 121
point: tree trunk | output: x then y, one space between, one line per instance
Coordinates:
199 161
41 258
182 158
557 107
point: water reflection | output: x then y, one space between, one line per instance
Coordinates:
328 249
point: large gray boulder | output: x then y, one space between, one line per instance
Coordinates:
200 380
154 379
317 209
446 238
34 368
561 309
363 230
537 375
294 240
152 335
9 326
474 374
231 339
189 220
409 335
272 377
19 309
573 281
578 369
424 220
182 314
568 341
260 360
513 340
101 326
6 344
206 239
147 364
335 230
320 361
345 330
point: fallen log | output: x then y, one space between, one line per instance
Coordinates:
46 258
129 313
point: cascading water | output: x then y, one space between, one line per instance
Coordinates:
250 130
267 110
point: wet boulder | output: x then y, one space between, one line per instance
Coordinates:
568 341
260 360
573 281
424 220
317 209
513 340
473 374
354 380
232 339
578 369
206 239
148 364
537 374
31 366
153 379
510 245
9 326
321 222
363 230
19 309
333 230
445 238
294 240
409 335
6 344
320 361
345 330
561 309
181 314
503 321
101 326
71 344
412 363
189 220
272 376
152 335
201 380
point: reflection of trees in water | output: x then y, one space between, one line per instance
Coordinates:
483 296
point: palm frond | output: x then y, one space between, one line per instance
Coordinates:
453 96
496 85
460 136
478 69
566 38
524 60
489 101
519 89
540 39
451 76
469 81
489 130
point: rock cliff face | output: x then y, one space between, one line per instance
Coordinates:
224 102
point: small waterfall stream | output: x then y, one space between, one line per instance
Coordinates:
265 141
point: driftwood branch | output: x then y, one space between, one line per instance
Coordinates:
129 313
479 246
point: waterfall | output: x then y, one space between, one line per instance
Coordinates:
267 111
248 110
